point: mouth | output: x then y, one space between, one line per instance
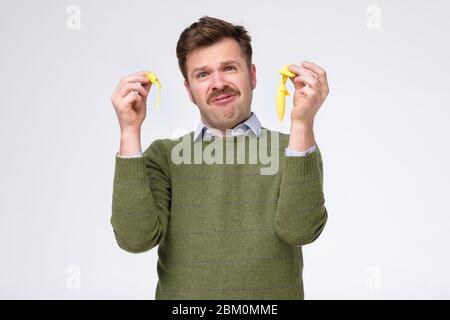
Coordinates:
224 99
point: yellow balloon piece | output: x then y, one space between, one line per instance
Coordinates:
154 79
282 91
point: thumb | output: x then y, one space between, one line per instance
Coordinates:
297 82
147 88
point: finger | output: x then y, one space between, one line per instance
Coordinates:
297 84
134 77
147 86
137 75
308 91
126 88
321 73
301 81
132 97
299 70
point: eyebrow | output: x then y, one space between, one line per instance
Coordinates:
222 64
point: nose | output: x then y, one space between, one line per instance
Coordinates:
218 81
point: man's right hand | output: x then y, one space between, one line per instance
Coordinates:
129 101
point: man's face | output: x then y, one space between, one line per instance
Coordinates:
220 84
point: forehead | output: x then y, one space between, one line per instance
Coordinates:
224 50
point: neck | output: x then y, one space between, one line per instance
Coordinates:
221 132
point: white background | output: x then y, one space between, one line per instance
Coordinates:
383 134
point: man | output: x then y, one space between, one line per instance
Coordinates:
224 230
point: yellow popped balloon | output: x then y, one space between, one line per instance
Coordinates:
154 79
282 91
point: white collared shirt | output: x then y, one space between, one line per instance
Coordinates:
251 125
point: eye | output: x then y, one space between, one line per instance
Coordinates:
200 75
231 68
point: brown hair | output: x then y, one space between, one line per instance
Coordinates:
207 31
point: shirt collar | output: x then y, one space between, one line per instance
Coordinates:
251 123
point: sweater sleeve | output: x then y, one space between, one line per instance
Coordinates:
141 199
301 214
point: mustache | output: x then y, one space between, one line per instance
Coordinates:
227 91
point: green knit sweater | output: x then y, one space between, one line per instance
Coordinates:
225 231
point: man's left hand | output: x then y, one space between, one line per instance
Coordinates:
311 89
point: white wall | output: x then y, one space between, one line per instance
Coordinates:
381 132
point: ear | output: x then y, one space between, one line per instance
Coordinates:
253 76
188 89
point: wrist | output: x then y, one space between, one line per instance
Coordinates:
130 132
301 137
130 143
302 125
